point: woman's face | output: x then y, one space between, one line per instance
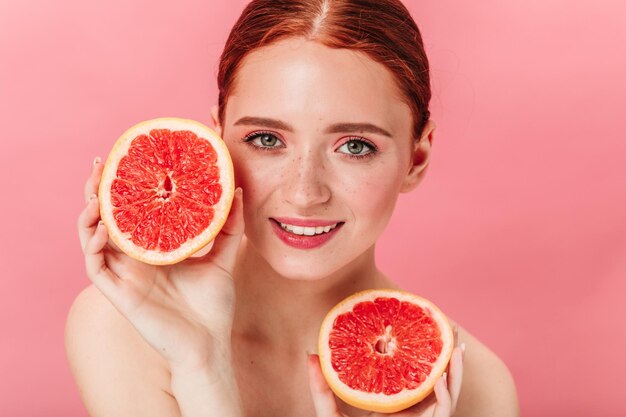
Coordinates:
320 139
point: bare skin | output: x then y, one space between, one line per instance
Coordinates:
250 356
271 381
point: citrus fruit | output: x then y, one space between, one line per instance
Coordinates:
166 189
383 350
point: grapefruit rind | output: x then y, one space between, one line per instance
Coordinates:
381 402
221 209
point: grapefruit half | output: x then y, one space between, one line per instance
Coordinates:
166 189
383 350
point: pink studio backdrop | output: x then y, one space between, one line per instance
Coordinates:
521 235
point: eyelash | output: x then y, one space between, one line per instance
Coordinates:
373 149
251 136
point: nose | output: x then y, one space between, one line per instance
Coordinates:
307 181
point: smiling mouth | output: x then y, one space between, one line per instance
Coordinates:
305 230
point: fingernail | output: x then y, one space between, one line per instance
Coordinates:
445 377
96 160
463 348
239 191
91 197
100 223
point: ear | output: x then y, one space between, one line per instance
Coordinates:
419 158
216 119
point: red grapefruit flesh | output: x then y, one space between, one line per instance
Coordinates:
383 350
166 189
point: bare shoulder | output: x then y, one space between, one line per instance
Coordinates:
116 371
488 388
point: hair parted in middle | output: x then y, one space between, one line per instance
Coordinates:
382 29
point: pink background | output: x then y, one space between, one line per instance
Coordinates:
524 238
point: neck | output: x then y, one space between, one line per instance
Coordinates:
286 314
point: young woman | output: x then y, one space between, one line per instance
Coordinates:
324 107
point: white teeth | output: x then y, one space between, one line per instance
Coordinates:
307 231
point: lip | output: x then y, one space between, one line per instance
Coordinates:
303 241
306 222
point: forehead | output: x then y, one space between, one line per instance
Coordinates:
304 80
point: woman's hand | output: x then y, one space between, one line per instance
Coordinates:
441 403
184 311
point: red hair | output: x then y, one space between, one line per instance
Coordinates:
382 29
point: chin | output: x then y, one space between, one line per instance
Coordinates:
302 271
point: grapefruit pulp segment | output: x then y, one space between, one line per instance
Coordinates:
383 350
166 189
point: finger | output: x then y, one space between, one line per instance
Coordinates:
206 249
224 251
455 330
88 220
234 223
444 402
91 186
97 270
425 408
323 398
455 378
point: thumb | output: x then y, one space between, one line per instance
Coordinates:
224 250
323 398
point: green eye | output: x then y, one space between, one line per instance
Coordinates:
357 147
268 140
264 140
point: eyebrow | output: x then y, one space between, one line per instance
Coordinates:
336 128
265 122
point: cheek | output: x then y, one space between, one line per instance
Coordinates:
372 194
246 170
256 177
